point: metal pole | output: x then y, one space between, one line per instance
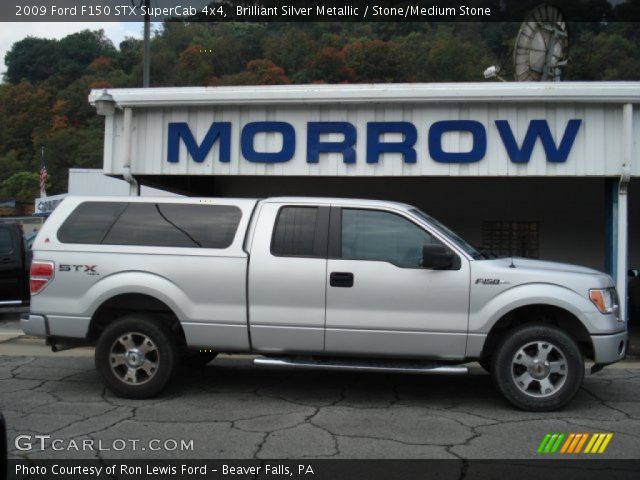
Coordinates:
145 58
622 240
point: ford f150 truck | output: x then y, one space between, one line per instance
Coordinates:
310 283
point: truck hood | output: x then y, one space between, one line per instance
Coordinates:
531 264
527 270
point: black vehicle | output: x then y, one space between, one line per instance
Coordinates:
15 258
3 448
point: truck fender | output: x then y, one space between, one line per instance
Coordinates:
482 320
143 283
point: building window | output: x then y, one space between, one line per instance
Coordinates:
503 239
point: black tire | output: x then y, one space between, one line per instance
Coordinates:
543 385
195 358
158 364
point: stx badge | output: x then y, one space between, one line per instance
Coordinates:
88 269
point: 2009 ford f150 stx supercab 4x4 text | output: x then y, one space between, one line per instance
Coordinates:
314 283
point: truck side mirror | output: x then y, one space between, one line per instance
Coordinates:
439 257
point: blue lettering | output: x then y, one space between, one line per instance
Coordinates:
477 131
221 132
315 147
288 142
538 128
180 130
405 147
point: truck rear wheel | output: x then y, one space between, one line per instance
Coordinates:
538 368
136 356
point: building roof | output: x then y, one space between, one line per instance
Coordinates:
565 92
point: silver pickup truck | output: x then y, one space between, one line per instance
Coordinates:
310 283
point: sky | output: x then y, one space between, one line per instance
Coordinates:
11 32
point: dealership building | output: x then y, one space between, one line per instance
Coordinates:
543 170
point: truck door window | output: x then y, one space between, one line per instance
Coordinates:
382 236
6 244
300 232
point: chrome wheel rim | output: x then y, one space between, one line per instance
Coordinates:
134 358
539 369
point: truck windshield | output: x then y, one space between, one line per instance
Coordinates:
454 237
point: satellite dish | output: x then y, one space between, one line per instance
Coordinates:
542 46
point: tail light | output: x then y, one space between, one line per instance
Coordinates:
41 274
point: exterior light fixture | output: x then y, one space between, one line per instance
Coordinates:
105 104
492 72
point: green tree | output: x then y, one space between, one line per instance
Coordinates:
444 56
24 112
10 164
290 48
194 67
329 66
130 56
258 72
604 56
376 61
31 59
72 147
78 50
57 61
21 186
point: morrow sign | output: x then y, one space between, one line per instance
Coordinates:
519 151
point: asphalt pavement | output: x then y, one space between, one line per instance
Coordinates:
230 409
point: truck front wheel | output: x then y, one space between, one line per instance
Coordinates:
136 356
538 368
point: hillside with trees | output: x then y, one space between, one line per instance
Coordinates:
43 99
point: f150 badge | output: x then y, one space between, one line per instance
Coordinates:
88 269
491 281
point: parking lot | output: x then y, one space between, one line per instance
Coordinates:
230 409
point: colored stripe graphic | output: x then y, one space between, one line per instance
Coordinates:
567 443
573 443
581 442
550 443
555 447
594 437
599 442
544 442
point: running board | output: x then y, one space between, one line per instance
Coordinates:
362 366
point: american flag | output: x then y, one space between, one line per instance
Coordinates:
43 176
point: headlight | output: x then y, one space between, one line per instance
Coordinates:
605 299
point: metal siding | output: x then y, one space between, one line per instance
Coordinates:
635 165
596 150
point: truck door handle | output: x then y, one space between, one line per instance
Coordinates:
5 260
341 279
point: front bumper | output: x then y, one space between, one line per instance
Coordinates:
609 348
